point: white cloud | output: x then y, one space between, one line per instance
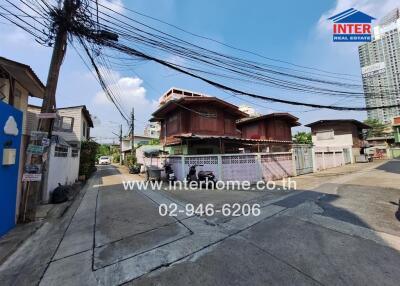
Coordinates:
131 94
129 90
115 5
11 128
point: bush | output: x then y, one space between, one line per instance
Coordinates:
115 157
130 161
88 158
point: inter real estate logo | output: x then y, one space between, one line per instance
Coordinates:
352 26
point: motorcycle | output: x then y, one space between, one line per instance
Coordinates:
201 177
169 173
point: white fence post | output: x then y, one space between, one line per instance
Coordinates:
294 171
314 161
259 164
183 167
219 175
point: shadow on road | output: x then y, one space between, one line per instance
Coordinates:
390 166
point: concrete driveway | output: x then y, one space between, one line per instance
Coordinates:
341 231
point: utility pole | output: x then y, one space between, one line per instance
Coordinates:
120 144
133 133
33 194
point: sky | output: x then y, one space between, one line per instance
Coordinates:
293 31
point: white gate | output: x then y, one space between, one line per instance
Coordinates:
303 158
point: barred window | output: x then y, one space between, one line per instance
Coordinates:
75 152
64 124
61 151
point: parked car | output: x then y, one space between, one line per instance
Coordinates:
104 160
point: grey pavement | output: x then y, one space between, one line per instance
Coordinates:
337 230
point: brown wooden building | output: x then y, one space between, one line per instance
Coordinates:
200 124
196 125
274 131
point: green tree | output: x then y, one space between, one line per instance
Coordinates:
89 149
103 150
154 141
377 128
302 138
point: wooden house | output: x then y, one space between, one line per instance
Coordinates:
194 124
198 125
273 132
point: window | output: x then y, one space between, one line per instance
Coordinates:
172 125
84 129
61 151
64 124
87 132
75 152
67 123
325 135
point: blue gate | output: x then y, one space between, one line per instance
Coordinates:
10 141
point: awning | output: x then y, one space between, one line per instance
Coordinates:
25 76
229 138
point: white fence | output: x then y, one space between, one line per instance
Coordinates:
252 167
237 167
329 157
63 170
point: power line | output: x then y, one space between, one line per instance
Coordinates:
236 91
152 43
230 46
160 44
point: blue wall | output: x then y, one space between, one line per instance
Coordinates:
8 174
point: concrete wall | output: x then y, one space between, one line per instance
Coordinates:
76 133
345 134
126 143
63 170
338 140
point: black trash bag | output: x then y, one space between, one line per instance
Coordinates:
60 194
135 169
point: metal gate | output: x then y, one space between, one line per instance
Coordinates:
303 159
347 155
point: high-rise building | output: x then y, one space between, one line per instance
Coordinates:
380 68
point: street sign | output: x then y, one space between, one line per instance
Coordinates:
38 135
31 177
33 168
45 142
35 149
48 115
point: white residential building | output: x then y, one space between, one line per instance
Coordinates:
380 68
70 129
139 140
248 110
18 82
176 93
152 130
344 134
